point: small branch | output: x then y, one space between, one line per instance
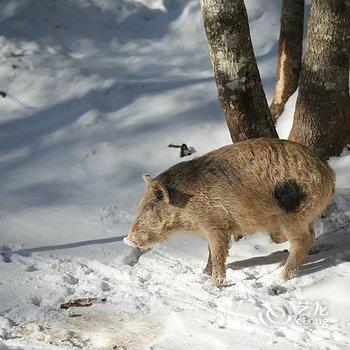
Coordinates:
84 302
185 151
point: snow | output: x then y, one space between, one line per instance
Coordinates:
285 121
97 90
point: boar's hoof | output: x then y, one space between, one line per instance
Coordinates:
207 270
218 280
288 273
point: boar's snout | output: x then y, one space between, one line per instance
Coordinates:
135 241
135 238
127 241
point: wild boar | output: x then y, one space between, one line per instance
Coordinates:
268 185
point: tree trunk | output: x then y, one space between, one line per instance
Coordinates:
237 77
290 54
322 114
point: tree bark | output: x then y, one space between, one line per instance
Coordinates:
236 73
322 114
290 54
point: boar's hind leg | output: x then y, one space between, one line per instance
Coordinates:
208 269
218 245
300 246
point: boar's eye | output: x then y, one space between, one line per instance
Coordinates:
159 191
159 195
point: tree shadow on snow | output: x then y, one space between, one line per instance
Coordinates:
30 132
47 22
28 251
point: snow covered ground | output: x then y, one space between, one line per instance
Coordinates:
96 90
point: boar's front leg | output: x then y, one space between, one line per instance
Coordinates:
218 245
208 269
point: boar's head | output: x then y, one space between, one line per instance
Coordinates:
154 216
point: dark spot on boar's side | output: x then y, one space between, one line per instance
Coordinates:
289 195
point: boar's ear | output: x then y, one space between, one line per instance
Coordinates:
147 178
160 191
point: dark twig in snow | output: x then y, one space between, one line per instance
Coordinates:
82 302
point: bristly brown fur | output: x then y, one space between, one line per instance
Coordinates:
232 191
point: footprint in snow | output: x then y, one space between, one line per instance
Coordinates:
105 287
6 253
6 257
276 290
31 268
35 301
70 279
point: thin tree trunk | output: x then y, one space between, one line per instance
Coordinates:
290 54
237 77
322 114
